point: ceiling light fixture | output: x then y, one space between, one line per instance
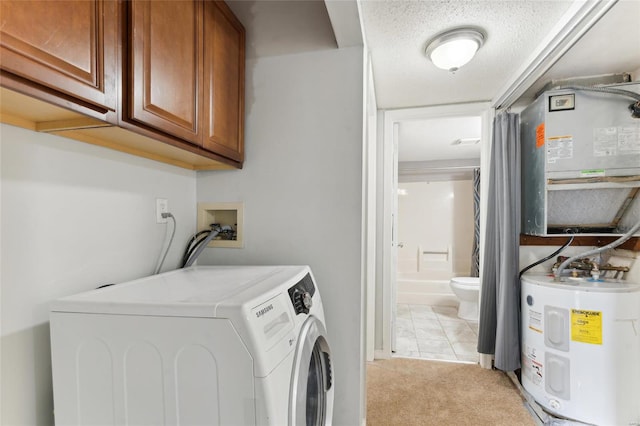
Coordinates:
454 48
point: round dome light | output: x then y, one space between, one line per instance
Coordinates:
452 49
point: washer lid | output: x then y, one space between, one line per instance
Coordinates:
194 292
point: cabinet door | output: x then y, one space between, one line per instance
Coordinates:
166 66
224 81
67 46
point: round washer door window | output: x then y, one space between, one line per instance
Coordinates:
311 402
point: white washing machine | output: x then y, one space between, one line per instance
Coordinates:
207 345
581 348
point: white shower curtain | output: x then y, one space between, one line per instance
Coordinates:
499 328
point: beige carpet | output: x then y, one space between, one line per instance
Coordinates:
408 392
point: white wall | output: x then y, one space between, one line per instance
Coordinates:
73 216
381 185
370 174
435 216
302 191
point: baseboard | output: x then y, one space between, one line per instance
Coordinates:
380 354
486 361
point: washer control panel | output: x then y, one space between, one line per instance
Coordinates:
301 295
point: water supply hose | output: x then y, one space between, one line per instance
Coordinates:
552 255
616 243
201 245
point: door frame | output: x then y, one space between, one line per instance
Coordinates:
391 121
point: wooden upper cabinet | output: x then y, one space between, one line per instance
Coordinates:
186 73
67 47
168 72
224 58
166 66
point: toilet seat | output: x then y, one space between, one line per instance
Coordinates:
466 282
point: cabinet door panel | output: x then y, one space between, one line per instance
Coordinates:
224 81
68 46
166 66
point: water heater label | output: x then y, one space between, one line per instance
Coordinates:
586 326
532 365
535 321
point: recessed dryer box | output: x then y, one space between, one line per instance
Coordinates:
229 216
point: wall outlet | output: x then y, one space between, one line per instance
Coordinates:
162 206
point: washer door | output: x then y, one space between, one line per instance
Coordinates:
311 402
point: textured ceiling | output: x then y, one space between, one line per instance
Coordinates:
417 136
612 46
397 33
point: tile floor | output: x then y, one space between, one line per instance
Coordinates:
435 332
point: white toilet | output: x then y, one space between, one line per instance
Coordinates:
467 289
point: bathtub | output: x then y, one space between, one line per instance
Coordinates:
414 289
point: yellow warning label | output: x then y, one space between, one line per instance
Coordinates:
586 326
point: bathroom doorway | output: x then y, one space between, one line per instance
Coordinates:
431 223
436 237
